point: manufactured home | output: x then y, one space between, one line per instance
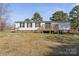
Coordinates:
42 25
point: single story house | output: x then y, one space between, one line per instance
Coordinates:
43 25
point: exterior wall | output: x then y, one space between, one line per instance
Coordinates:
54 26
25 28
17 25
61 26
43 26
64 26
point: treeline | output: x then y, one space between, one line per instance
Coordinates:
72 17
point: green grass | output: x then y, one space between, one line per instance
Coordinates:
22 43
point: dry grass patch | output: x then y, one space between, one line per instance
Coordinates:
22 43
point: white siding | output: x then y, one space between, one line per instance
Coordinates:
62 26
25 28
17 25
25 25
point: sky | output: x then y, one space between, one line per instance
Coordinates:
21 11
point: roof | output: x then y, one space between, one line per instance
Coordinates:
40 21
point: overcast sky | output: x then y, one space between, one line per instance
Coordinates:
22 11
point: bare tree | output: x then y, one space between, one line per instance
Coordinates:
3 16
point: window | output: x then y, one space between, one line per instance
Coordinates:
22 24
29 25
37 24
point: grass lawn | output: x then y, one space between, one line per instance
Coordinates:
37 44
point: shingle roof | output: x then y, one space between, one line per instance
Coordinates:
39 21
